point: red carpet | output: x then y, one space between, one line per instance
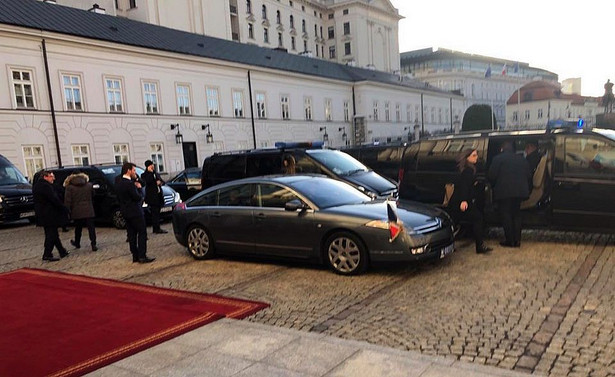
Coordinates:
57 324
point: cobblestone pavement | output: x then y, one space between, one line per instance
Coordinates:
547 308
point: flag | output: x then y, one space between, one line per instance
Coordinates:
504 70
488 73
516 68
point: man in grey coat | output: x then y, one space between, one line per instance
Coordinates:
509 173
78 198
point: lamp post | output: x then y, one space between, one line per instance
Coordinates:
179 138
209 138
344 135
325 136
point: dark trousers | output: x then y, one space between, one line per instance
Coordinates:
89 223
155 210
474 217
52 239
137 237
510 215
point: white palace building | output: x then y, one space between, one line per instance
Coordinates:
81 87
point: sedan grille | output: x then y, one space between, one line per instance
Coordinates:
431 226
169 200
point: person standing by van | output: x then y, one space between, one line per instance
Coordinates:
153 194
50 214
78 198
463 203
509 175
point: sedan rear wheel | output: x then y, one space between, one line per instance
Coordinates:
346 254
199 243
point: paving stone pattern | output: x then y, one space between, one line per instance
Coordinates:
547 308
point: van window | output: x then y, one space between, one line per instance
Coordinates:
589 156
263 164
305 165
440 155
227 167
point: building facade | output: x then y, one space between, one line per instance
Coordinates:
539 103
481 79
94 89
363 33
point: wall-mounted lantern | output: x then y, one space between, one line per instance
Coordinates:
209 138
325 136
179 138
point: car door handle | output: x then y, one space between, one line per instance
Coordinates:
260 216
216 214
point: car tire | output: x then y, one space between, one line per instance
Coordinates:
346 254
199 243
117 219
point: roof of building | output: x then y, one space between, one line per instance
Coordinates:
43 16
540 90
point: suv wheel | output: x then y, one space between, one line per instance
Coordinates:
118 220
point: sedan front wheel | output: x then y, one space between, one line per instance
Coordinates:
199 243
346 254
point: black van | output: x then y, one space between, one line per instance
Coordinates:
309 158
573 186
106 203
16 201
384 159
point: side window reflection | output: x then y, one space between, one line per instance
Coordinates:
273 196
236 196
587 155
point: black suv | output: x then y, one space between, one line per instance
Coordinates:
106 204
16 201
223 167
384 159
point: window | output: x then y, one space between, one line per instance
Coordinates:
183 99
238 103
265 35
321 32
315 30
330 15
328 115
24 89
439 115
346 111
81 154
398 112
290 3
292 21
213 102
235 196
387 111
409 113
375 110
285 105
346 28
305 46
72 92
114 95
307 105
303 26
150 96
589 156
345 12
317 53
331 52
157 156
539 113
331 32
526 115
272 196
33 159
248 6
120 153
278 17
132 4
250 31
264 12
293 43
515 116
280 41
433 115
347 50
260 105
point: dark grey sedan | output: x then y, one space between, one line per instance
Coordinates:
309 217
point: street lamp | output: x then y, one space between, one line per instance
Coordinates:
344 135
325 136
209 138
179 138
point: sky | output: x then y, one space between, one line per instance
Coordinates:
567 37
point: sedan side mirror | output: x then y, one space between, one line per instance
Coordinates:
294 205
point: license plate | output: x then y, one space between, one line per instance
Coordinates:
26 214
447 250
166 209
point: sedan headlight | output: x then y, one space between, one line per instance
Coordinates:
394 228
176 198
1 198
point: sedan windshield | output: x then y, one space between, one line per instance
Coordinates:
339 162
327 193
11 176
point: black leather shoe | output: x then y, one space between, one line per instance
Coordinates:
75 244
146 260
506 244
483 249
517 244
94 248
160 231
51 259
64 254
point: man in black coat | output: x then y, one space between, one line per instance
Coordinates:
131 206
50 214
153 194
509 174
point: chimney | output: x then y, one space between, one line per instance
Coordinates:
97 9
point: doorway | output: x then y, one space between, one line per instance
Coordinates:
190 157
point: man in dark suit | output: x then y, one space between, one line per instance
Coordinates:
153 194
131 205
50 214
509 174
